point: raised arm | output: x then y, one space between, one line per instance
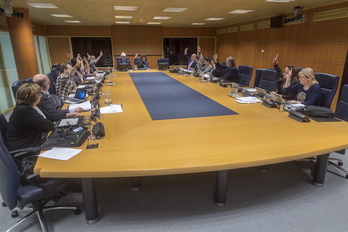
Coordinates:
100 55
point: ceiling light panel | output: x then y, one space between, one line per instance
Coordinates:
123 17
174 9
279 0
214 19
61 15
41 5
72 21
197 24
127 8
240 11
161 17
122 22
153 23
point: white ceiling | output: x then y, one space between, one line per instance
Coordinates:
101 12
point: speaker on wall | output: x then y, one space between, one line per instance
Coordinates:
276 21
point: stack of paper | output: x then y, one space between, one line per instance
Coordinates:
247 100
84 105
116 108
60 153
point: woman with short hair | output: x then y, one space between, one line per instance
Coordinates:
27 125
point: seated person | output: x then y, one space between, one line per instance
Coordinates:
142 63
46 105
191 61
92 62
229 71
308 91
65 81
281 81
27 124
123 63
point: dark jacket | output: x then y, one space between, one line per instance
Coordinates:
49 110
288 96
306 97
229 73
25 128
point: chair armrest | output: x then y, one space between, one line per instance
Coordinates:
22 153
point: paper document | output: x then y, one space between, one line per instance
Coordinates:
115 108
250 90
60 153
248 100
84 105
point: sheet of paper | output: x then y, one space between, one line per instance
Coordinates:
84 105
60 153
247 100
115 108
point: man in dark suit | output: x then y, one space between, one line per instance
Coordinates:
46 105
191 63
230 72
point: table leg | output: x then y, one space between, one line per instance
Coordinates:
90 201
221 188
135 183
320 169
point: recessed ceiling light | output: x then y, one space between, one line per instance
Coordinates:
122 22
214 19
41 5
174 9
279 0
129 8
161 17
240 11
72 21
153 23
123 17
61 15
197 24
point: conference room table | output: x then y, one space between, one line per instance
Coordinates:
137 146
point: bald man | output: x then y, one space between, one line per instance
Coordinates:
46 105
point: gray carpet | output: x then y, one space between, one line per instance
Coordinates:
282 199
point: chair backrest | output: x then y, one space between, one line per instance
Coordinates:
266 79
3 127
342 106
328 84
244 73
15 86
9 177
53 78
28 80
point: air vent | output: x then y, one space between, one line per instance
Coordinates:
232 29
264 24
221 31
330 14
247 27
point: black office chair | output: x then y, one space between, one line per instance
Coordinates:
163 63
266 79
328 84
342 113
244 73
15 86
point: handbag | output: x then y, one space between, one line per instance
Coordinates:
317 111
56 100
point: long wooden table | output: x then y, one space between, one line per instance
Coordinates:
136 146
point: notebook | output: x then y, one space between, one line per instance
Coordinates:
79 96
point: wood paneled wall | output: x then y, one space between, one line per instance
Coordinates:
320 45
58 47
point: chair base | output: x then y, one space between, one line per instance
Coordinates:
38 210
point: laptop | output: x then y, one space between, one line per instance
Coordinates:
80 96
277 98
261 92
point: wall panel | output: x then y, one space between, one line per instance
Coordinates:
58 47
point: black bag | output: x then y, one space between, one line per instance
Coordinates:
317 111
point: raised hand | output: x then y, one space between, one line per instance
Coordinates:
275 60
